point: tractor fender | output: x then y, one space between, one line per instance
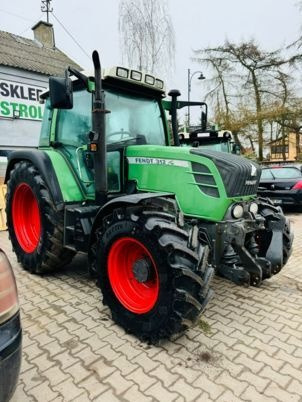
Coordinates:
127 200
44 165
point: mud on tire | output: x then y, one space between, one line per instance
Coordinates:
49 254
183 291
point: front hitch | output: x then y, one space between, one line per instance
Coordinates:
236 253
271 239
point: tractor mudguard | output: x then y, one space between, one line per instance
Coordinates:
132 199
44 165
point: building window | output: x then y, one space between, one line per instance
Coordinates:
276 150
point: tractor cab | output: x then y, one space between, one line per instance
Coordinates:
134 116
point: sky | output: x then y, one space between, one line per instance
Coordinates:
197 24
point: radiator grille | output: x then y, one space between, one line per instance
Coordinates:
240 176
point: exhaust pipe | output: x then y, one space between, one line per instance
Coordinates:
98 134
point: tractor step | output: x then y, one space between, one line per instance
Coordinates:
77 227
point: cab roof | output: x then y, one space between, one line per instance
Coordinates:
125 75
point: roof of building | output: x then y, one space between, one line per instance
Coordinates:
27 54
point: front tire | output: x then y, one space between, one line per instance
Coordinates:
34 224
148 274
288 238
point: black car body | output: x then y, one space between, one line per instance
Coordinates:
10 331
283 184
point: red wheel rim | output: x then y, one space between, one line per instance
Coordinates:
26 218
136 296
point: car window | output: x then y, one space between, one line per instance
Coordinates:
266 174
286 173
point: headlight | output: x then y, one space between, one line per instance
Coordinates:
237 211
253 207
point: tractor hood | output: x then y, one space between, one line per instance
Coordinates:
205 182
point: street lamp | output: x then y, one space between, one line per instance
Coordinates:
190 76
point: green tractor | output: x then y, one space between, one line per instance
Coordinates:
216 140
203 135
105 181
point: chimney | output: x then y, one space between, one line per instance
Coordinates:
43 33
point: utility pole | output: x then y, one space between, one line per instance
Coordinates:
45 8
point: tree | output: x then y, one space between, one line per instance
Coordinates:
250 72
146 35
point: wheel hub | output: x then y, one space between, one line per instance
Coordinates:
133 275
142 270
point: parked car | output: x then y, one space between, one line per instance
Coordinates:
283 184
10 331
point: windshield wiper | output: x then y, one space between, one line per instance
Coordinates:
140 139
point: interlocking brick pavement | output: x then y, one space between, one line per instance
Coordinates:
249 347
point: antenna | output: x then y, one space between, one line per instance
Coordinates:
45 8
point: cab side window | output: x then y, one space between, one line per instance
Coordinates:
74 124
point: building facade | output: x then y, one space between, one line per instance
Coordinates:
291 148
25 66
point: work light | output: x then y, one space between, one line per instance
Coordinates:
149 79
237 211
136 75
122 72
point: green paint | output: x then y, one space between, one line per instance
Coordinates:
71 191
53 124
155 168
91 86
179 180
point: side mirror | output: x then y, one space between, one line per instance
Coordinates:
60 92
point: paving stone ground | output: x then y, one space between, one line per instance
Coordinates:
248 346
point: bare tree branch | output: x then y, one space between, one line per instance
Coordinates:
146 35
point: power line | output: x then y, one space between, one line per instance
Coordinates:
30 27
14 15
71 36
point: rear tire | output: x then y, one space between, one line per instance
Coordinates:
34 224
178 291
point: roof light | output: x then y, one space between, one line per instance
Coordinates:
136 75
122 72
159 84
149 79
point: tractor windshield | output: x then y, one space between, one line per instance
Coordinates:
221 146
133 119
